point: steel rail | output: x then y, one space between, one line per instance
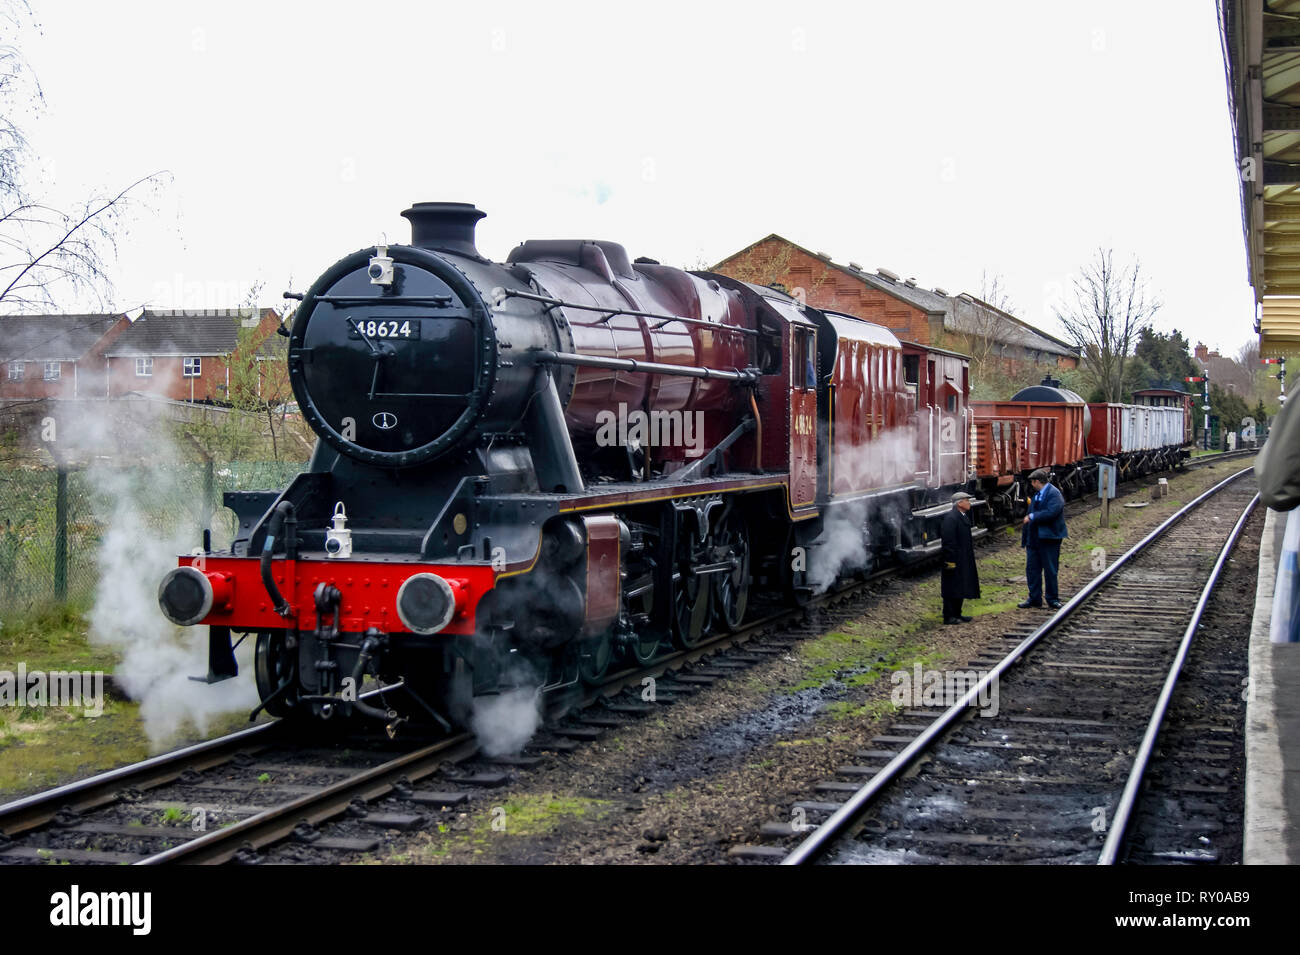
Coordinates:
272 825
818 841
39 809
32 812
1128 800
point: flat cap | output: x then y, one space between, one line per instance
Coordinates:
962 496
1041 475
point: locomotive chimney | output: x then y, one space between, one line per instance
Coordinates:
445 226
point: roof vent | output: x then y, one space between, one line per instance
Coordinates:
941 291
885 273
911 282
823 256
855 267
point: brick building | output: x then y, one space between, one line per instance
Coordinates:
186 355
56 356
1228 373
928 316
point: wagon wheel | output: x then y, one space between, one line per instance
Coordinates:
274 665
731 591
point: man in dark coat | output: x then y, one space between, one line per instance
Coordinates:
1041 536
960 579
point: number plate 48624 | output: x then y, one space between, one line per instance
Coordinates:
386 328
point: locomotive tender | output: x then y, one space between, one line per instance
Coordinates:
530 472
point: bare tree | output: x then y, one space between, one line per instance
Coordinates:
769 262
47 255
50 255
994 293
1111 306
1248 356
983 324
16 84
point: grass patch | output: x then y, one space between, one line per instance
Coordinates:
528 815
858 655
62 744
871 710
52 639
45 746
532 815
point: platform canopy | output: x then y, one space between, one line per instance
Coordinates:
1261 40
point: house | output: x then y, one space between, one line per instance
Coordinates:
272 358
186 355
927 316
1227 373
56 356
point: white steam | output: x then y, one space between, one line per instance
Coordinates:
137 550
506 721
844 546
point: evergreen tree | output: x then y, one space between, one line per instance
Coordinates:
1167 356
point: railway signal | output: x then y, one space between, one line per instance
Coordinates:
1205 403
1280 376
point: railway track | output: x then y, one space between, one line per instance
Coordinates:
1053 771
261 786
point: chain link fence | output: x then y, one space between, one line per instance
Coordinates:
54 521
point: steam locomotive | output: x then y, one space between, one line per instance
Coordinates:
531 472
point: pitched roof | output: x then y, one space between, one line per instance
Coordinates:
1008 328
51 337
185 333
273 348
1016 332
1164 386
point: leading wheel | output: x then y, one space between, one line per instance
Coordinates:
275 668
594 658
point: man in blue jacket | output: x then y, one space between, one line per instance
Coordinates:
1041 536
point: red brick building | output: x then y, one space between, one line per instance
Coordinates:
56 356
1227 373
909 311
187 355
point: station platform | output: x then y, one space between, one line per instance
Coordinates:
1272 824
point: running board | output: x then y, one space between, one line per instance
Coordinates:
938 510
910 555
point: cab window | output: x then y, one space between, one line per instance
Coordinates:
810 361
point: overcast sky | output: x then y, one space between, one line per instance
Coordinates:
935 139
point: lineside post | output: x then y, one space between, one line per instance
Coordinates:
1105 487
61 534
